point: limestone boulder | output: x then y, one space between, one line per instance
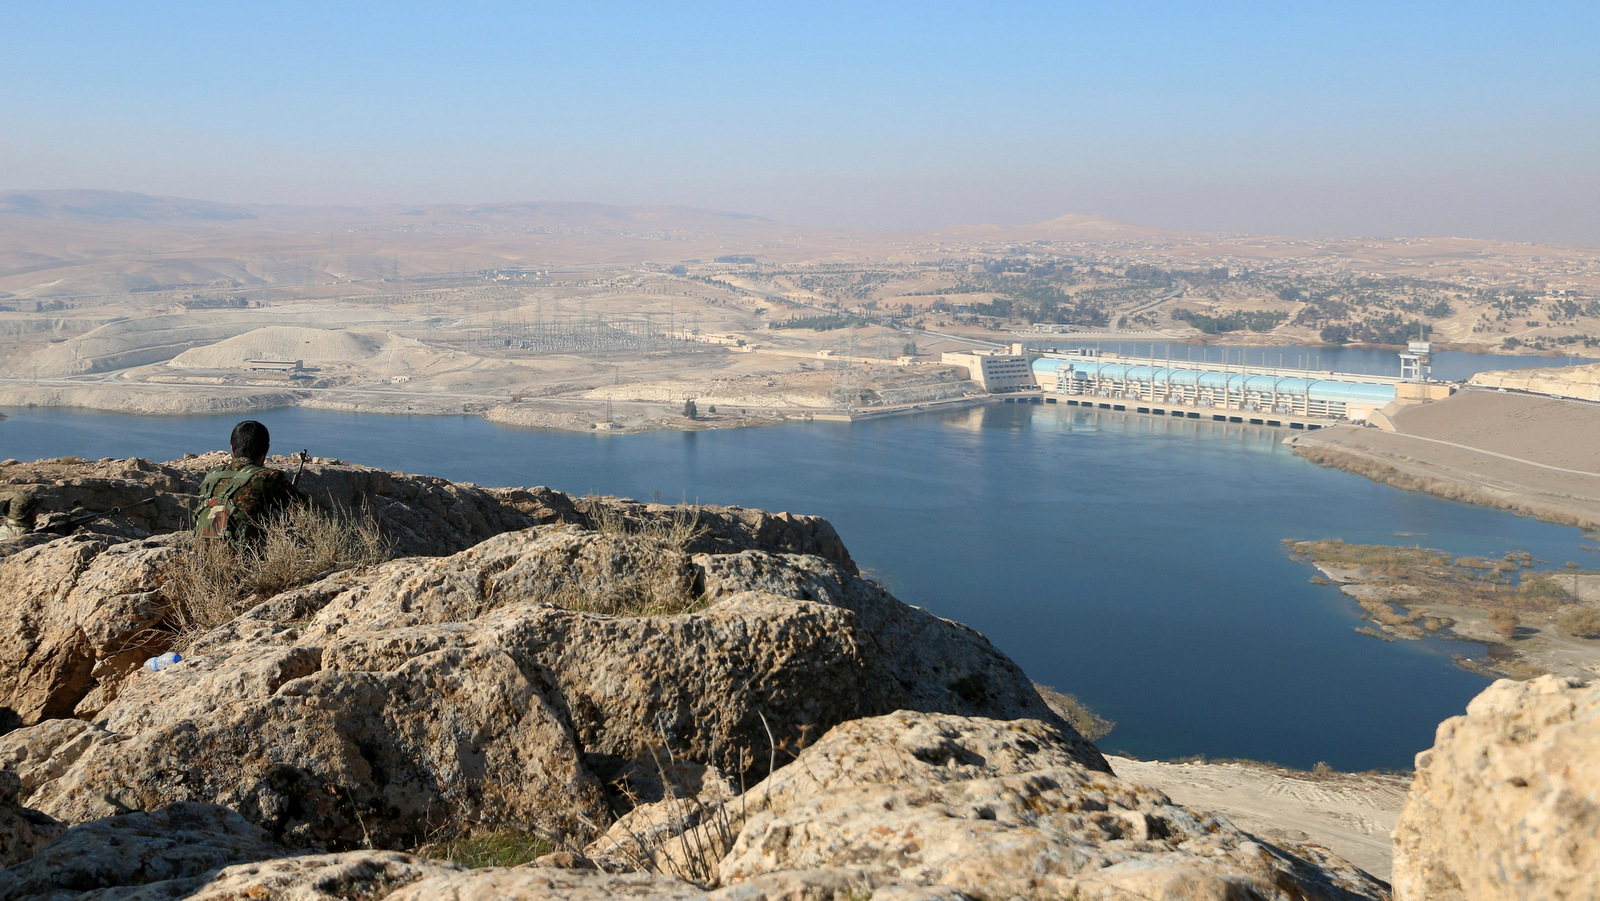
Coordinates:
544 884
1507 802
43 753
916 802
103 874
77 613
177 843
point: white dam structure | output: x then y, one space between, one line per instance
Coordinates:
1223 391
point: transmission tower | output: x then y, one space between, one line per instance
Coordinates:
844 389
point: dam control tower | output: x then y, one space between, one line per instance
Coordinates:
1416 362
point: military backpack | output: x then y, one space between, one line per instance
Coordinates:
219 517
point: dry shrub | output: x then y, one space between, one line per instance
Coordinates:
642 570
1504 622
1391 559
1581 622
1541 593
208 583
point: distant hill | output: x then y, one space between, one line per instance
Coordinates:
117 207
111 206
1072 227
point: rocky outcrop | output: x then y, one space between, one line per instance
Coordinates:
383 706
177 843
201 851
913 806
983 807
1507 802
83 612
420 514
1563 381
80 612
22 831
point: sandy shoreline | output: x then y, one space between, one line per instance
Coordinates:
1350 814
574 414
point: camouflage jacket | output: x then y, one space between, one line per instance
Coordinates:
10 528
266 494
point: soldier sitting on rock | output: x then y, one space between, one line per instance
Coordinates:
236 503
22 513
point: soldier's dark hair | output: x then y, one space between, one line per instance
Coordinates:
250 440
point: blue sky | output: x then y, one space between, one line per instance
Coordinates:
1298 118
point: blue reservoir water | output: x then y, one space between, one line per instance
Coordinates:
1134 561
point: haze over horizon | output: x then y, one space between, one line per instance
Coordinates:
1316 120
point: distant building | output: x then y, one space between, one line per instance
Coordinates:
995 371
275 365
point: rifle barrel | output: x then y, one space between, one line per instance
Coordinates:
91 517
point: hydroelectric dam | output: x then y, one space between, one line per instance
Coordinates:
1223 392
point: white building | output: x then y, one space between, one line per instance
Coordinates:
994 371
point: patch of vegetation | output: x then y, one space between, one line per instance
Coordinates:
824 322
1402 583
644 571
1231 321
1504 622
495 848
1542 592
1089 724
1580 622
1420 575
208 583
1334 552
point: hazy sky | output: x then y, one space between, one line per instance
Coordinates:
1331 118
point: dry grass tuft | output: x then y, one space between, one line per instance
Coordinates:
685 834
489 848
643 569
208 583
